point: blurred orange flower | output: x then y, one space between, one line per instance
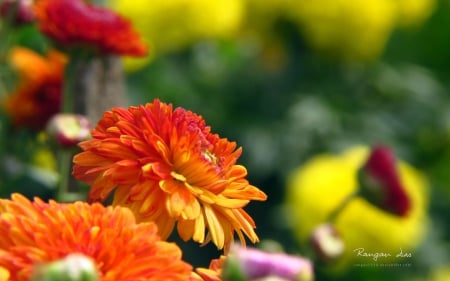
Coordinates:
38 95
168 167
38 232
74 23
213 273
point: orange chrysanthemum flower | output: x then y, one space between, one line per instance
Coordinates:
213 273
74 22
38 95
168 167
38 232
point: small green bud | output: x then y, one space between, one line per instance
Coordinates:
74 267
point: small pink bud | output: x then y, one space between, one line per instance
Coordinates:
327 243
253 264
380 183
19 11
67 130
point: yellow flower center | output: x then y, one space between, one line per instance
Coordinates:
210 157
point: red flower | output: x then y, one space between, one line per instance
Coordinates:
74 23
168 167
380 183
38 95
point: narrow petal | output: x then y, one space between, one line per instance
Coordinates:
214 227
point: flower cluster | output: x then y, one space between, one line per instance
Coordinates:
162 170
168 168
163 167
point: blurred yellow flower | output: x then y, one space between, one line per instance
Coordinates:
440 274
44 159
414 12
172 25
346 28
355 30
315 189
4 274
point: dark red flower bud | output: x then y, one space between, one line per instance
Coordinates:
380 183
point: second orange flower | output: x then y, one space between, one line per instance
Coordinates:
168 167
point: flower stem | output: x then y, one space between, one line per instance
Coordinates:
68 90
335 213
64 165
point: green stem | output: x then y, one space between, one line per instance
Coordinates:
67 97
73 78
333 215
6 31
64 165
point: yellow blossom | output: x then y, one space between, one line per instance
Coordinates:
316 188
171 25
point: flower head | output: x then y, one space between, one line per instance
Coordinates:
74 22
38 95
33 233
361 224
168 167
380 182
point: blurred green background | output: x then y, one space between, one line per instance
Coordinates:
284 94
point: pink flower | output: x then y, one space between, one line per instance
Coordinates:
254 264
22 9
